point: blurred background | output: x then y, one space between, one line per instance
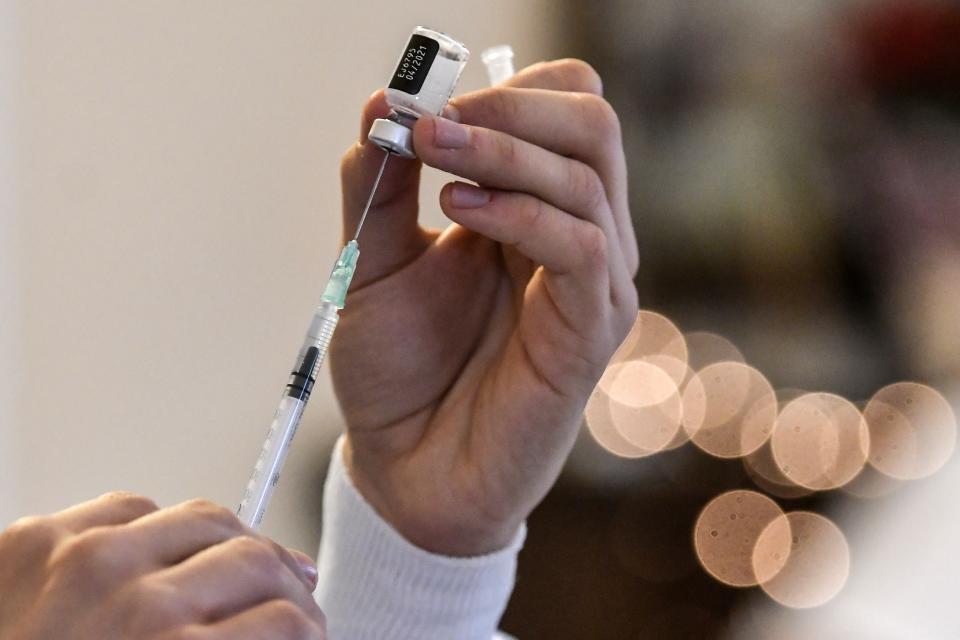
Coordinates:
165 167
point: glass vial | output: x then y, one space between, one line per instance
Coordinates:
425 77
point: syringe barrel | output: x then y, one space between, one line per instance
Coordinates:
318 337
286 419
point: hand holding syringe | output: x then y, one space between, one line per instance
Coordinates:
423 82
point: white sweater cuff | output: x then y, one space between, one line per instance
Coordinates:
375 584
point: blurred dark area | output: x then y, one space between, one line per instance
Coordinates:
795 187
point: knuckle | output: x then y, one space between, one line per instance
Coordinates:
539 214
593 245
505 148
29 540
503 102
541 74
589 188
31 531
90 546
292 622
151 604
201 505
601 115
212 512
258 557
580 75
95 556
85 546
348 162
131 502
176 609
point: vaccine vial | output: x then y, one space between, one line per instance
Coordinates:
425 77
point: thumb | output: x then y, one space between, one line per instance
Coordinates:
391 236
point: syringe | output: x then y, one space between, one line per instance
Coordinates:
425 77
266 472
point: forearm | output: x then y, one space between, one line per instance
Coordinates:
375 584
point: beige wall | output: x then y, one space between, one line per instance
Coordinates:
179 207
10 496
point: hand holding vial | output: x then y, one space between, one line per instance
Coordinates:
466 357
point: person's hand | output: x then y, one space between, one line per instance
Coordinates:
117 567
464 358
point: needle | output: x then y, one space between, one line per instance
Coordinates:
373 191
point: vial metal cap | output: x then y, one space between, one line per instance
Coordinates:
392 137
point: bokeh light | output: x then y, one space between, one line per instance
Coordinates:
821 441
729 409
652 334
674 368
600 424
817 564
663 388
651 428
727 532
636 408
913 430
871 484
772 549
640 383
763 471
706 348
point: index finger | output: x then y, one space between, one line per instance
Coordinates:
577 76
568 74
173 535
575 124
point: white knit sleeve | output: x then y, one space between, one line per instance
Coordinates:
375 585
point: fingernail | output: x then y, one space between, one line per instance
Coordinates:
308 568
449 135
310 571
467 196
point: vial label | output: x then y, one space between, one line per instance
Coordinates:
415 64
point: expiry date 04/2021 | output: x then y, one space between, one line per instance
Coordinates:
412 63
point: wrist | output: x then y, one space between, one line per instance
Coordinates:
443 527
